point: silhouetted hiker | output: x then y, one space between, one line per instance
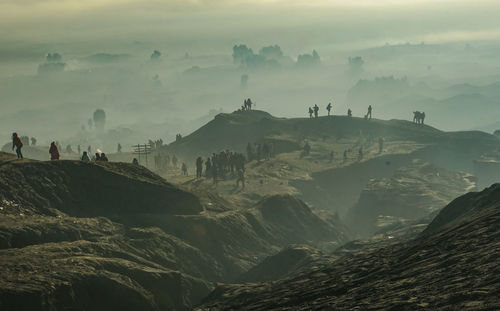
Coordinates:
119 148
199 167
33 141
349 112
369 113
135 161
329 108
316 109
266 151
249 152
208 167
97 157
54 151
184 169
345 156
331 156
241 178
214 172
104 158
422 117
306 150
249 104
85 157
310 113
18 144
360 154
416 115
380 145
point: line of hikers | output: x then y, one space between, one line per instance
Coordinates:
17 144
315 111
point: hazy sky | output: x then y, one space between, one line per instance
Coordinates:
317 20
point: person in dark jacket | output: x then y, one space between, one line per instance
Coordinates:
85 157
54 151
18 144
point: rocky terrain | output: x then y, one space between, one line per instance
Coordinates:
452 264
114 236
307 232
413 192
418 171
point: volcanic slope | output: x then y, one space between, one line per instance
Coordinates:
415 159
114 236
234 131
453 264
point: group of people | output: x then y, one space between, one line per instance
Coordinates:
259 151
247 105
418 117
163 161
219 165
315 111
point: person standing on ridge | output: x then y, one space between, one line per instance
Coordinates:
310 113
316 109
85 157
18 144
54 151
329 108
369 114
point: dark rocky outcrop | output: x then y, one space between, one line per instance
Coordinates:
114 236
453 264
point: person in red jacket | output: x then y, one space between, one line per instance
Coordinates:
18 144
54 151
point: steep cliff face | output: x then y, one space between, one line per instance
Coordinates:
414 191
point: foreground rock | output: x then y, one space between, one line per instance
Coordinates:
453 264
114 236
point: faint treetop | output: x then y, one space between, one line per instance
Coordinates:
156 55
99 119
271 52
241 53
53 57
356 64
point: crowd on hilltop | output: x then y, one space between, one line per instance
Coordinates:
314 111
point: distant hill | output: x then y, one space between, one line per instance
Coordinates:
234 131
